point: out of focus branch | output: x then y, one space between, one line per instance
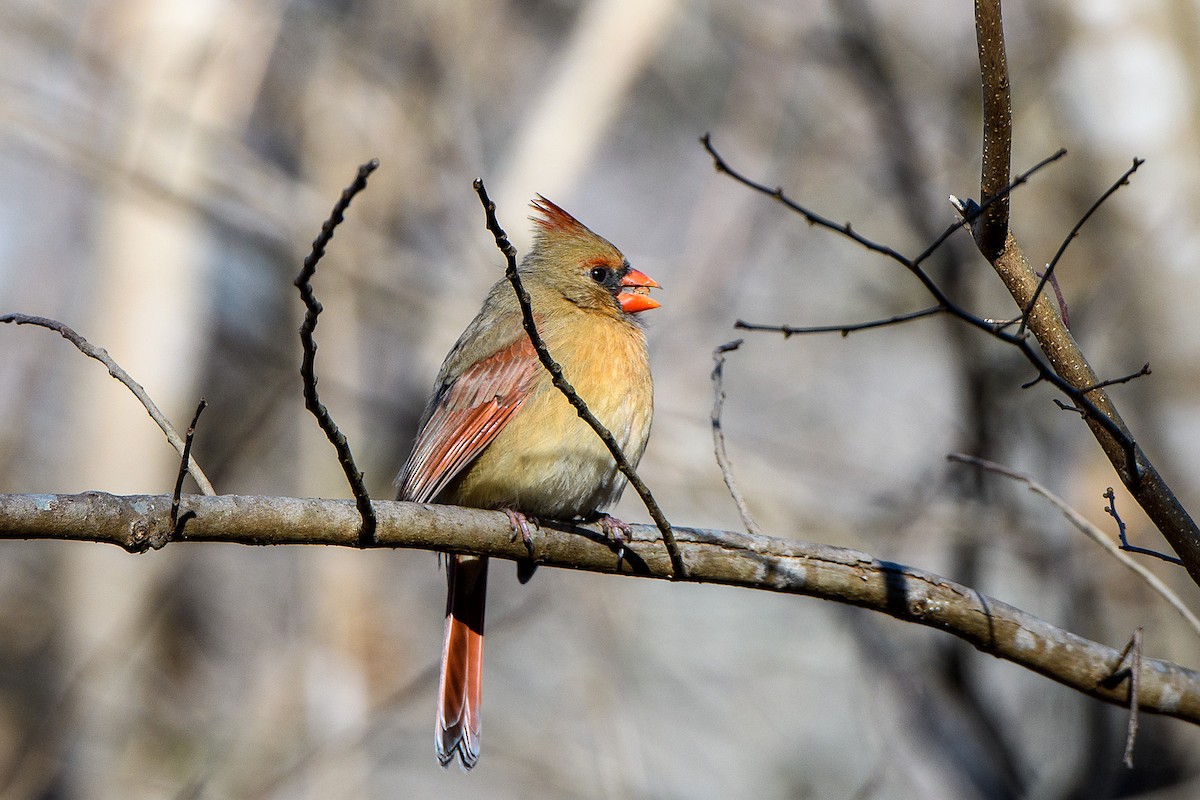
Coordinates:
722 455
1091 531
101 355
139 523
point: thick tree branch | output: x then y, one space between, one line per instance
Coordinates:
142 522
991 228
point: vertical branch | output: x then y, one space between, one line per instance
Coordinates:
991 228
313 308
718 378
183 465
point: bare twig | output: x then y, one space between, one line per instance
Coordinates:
774 564
789 331
1111 510
1058 297
568 391
1064 366
1048 273
969 210
313 308
101 355
1088 529
184 460
1145 370
718 374
1132 651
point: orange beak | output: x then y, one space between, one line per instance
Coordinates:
637 297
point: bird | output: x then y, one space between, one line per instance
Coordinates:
497 434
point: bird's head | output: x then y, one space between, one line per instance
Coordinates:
585 268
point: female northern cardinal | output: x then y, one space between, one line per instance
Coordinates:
497 433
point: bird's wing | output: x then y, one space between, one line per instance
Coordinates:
466 416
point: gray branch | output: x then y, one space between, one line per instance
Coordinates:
142 522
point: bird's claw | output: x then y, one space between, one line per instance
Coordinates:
617 530
520 527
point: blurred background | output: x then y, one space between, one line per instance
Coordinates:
165 164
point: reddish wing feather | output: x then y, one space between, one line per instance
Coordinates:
467 418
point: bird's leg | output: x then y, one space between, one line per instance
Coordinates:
520 527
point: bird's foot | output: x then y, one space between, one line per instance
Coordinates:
617 530
520 527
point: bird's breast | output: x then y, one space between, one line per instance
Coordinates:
548 462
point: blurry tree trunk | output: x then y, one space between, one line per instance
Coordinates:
194 79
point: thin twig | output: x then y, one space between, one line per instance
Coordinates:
1133 651
568 391
312 401
1111 510
1134 686
184 460
1145 370
1086 407
1060 298
1048 273
101 355
789 331
1088 529
718 375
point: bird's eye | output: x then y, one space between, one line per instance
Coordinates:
600 274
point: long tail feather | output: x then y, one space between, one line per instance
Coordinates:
459 687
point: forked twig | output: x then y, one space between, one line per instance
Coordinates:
1132 651
313 308
1111 510
969 210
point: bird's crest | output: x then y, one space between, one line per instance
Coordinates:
554 220
557 231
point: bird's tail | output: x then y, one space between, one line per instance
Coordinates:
462 662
